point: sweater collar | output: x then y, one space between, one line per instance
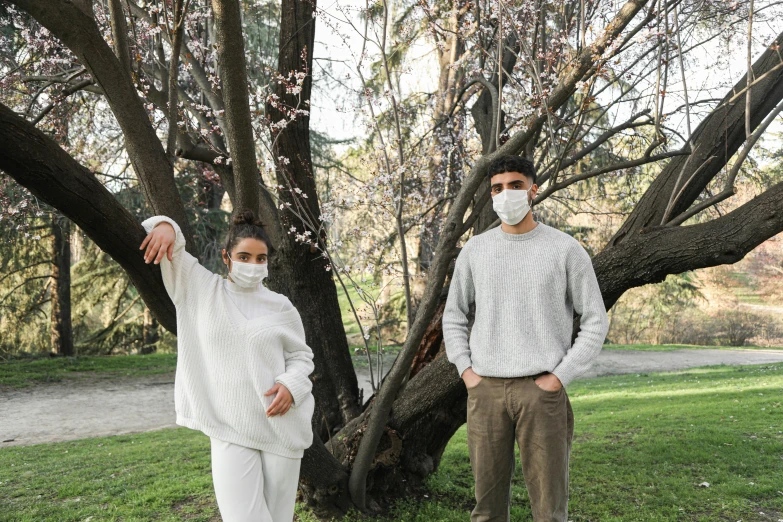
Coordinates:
521 237
240 321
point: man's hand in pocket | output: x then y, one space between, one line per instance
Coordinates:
471 378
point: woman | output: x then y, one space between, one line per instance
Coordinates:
242 368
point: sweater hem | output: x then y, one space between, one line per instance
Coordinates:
227 435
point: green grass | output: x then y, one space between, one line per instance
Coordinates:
161 475
349 321
745 290
642 445
671 347
19 373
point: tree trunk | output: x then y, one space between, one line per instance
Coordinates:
298 270
233 75
149 333
61 332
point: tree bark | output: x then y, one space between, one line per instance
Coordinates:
36 162
655 252
178 22
233 76
61 331
119 32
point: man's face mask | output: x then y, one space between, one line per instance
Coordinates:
247 275
511 205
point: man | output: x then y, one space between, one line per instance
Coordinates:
526 280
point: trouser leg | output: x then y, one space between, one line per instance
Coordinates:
281 480
491 450
544 425
237 474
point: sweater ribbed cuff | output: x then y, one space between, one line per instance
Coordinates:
298 386
462 363
566 375
153 221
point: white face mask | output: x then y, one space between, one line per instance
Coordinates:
511 206
247 275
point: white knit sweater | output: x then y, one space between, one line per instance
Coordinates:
228 356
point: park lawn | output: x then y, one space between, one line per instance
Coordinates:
19 373
643 444
671 347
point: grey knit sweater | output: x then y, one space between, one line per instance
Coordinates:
526 288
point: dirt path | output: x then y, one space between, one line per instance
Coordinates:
75 410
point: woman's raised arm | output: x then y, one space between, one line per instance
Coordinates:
165 245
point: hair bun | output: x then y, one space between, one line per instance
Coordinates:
246 217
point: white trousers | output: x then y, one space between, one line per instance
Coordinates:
253 485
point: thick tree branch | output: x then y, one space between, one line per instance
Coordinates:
651 255
233 75
77 30
719 135
729 189
37 163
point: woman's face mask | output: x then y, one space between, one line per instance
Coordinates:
247 275
511 205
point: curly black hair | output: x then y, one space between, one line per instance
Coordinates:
510 163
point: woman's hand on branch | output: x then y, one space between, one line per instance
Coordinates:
159 242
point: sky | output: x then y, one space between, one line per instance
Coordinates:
337 50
